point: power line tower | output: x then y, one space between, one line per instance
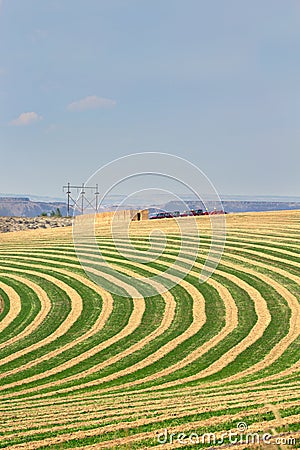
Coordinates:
81 202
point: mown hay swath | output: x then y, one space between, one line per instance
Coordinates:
83 368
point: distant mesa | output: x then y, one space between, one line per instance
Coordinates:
14 199
24 207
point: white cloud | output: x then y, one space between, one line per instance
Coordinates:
26 118
91 102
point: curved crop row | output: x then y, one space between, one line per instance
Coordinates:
81 367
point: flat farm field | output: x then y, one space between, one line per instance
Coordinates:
84 367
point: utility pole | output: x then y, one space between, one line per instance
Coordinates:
82 198
81 202
97 193
68 197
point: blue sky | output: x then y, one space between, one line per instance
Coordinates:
85 81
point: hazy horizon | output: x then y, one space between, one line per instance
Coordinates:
251 198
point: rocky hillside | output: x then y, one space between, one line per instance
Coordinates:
24 207
8 224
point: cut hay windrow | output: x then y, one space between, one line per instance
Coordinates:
155 412
198 316
45 308
104 432
83 368
76 309
98 325
266 312
14 306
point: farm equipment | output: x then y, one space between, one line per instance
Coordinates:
188 213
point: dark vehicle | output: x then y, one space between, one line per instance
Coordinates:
175 214
162 215
158 216
186 214
197 212
215 212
